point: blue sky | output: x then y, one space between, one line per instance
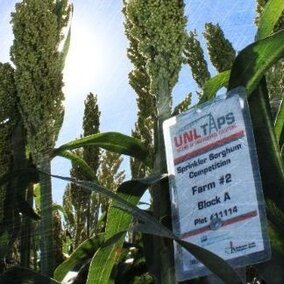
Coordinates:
97 60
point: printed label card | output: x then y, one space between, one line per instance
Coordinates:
215 185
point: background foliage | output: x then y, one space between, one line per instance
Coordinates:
99 232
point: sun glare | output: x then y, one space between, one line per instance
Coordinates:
84 61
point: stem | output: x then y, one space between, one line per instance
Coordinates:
25 241
88 218
272 173
163 249
19 163
46 229
269 155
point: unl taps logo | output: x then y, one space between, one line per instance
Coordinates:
205 125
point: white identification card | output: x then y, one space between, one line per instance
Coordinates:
216 194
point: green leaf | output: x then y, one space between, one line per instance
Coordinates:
274 267
279 124
101 264
215 263
83 253
4 244
212 261
269 17
129 193
87 170
268 151
20 275
276 238
276 218
252 62
112 141
272 271
214 84
272 173
120 200
117 220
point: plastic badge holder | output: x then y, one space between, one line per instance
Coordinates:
215 185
